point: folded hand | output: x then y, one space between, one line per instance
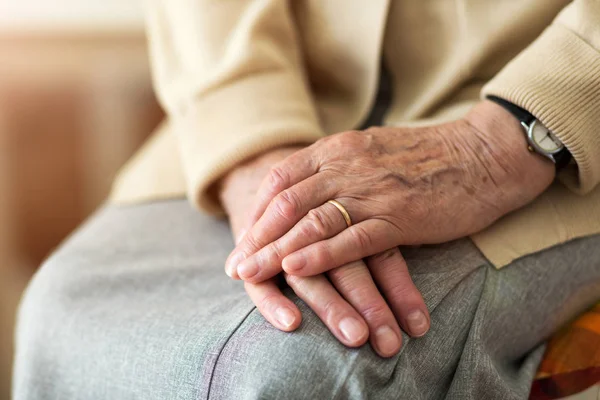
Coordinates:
401 186
346 299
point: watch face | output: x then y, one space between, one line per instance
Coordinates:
543 138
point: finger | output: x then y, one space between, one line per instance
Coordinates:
293 169
354 282
340 317
354 243
280 311
320 223
240 235
390 272
282 214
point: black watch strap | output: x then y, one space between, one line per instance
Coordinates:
561 158
521 114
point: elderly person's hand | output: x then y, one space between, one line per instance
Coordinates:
346 299
401 186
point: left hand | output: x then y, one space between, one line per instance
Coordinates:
401 186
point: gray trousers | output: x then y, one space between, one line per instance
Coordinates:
136 305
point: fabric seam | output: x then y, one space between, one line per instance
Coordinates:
212 373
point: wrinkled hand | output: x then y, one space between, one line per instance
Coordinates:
347 299
401 186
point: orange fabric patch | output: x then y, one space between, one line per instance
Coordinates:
571 363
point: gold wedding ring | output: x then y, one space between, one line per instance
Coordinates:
342 210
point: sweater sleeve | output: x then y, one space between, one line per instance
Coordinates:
230 77
557 79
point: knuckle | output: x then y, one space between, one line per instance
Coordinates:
372 129
269 301
317 223
279 179
355 139
351 135
403 289
375 311
307 229
361 238
332 309
252 242
287 204
275 251
348 138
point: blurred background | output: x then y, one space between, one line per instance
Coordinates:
75 102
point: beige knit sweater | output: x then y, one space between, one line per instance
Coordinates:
238 77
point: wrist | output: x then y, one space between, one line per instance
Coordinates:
520 173
238 182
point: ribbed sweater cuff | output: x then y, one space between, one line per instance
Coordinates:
238 121
557 79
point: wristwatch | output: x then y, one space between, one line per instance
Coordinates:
539 138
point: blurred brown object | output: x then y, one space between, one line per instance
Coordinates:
73 109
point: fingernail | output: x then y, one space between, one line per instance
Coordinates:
417 323
285 316
352 329
388 343
294 262
240 236
247 270
232 264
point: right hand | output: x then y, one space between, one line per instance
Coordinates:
349 303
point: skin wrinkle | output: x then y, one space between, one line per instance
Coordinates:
413 183
508 158
429 174
471 189
474 179
427 160
404 186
